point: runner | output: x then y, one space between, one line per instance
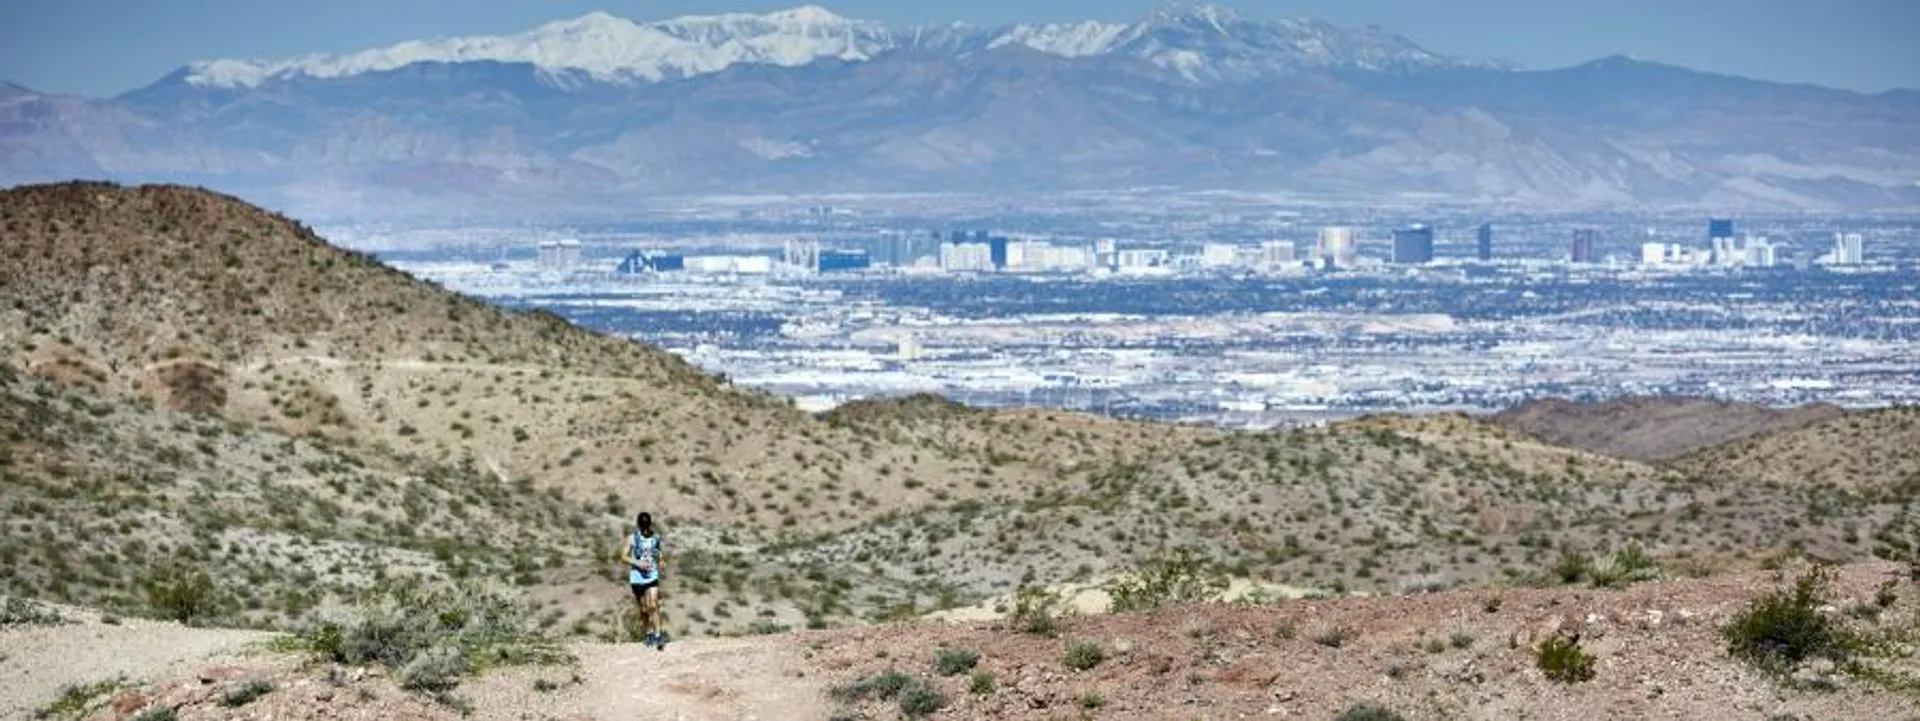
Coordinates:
645 557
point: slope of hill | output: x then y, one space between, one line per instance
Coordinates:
566 118
1869 452
276 388
207 304
1654 429
115 503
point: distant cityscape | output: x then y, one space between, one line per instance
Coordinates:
1335 248
1239 318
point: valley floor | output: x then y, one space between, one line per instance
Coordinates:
1455 655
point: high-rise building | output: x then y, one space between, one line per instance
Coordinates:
1719 228
1219 255
841 260
1848 249
997 251
1653 253
1486 242
1413 244
1583 240
1277 254
1336 248
1759 253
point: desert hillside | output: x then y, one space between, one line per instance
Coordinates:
208 415
1654 429
1871 452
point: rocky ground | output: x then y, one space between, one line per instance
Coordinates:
1454 655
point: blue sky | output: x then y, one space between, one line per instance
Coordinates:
103 47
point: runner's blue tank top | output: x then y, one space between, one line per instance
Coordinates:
647 547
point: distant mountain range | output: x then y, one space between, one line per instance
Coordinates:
600 109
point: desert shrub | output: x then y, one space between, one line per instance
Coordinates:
954 661
75 698
1092 700
919 698
28 612
1571 567
436 670
885 685
1083 656
184 595
1037 611
1368 712
981 683
1332 636
432 638
1562 659
767 627
1627 566
162 713
1182 577
246 693
1778 631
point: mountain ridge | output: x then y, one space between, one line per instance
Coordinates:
809 102
619 50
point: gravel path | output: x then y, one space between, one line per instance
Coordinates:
747 679
38 662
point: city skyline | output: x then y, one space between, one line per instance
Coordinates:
100 48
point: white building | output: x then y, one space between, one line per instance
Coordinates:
1336 247
730 264
1760 253
1848 249
560 255
1219 255
966 257
1277 255
1142 258
1653 253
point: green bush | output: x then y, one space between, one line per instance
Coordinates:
1368 712
1572 567
162 713
883 686
981 683
1562 659
246 693
954 661
1628 566
1037 611
186 596
1780 630
430 639
920 698
28 612
1183 577
1083 656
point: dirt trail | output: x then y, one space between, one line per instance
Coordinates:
702 680
38 663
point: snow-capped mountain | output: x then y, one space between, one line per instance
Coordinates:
1197 41
1213 42
608 48
592 112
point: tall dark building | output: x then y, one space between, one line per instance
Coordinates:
997 251
1486 242
1717 228
1413 244
1583 239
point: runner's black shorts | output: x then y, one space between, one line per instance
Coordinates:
640 589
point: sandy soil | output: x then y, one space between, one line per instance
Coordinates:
1453 655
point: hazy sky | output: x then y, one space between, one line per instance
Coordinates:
104 47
